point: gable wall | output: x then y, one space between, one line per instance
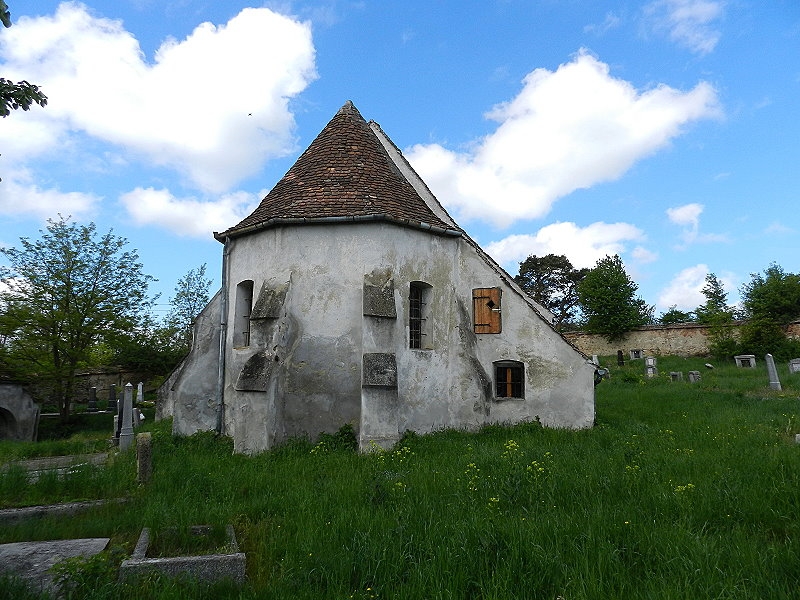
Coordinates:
310 364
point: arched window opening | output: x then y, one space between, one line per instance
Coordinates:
242 309
419 326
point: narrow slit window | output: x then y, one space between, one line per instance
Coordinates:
242 309
509 379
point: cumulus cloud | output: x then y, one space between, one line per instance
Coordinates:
213 106
688 216
189 217
685 289
20 197
566 130
583 246
689 23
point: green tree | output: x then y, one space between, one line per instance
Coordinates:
608 300
718 316
775 296
552 282
769 303
673 316
16 95
64 294
191 296
715 309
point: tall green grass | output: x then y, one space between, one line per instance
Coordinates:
680 491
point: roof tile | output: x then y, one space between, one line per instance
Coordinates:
345 172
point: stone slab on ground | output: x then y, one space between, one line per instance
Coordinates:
31 561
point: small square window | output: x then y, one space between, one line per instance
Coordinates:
509 379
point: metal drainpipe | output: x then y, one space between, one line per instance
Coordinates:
223 335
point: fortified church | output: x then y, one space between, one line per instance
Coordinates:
350 296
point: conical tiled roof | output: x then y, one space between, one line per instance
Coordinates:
345 173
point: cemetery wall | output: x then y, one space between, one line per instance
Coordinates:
688 339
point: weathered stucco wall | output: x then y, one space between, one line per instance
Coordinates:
302 372
189 394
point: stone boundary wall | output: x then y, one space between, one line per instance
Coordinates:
688 339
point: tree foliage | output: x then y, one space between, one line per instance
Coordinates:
16 95
64 294
608 300
673 316
191 296
773 296
769 303
715 309
552 282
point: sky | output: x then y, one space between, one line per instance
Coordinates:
665 131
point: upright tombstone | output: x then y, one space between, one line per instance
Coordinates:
92 406
676 376
139 393
126 429
650 368
745 361
595 360
794 365
694 376
112 397
636 354
620 358
774 382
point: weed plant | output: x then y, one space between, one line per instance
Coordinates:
680 491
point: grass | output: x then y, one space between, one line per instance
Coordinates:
680 491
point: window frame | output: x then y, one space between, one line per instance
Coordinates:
420 295
243 308
512 381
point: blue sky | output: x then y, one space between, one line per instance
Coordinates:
665 131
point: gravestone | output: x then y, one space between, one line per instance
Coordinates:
126 428
794 365
774 382
595 361
650 368
620 358
112 397
636 354
144 457
19 414
676 375
694 376
92 405
745 361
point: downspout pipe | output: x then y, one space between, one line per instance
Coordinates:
223 337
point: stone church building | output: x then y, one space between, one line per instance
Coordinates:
350 295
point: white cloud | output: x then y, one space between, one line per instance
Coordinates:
214 106
566 130
689 23
688 216
188 217
611 21
685 289
19 197
583 246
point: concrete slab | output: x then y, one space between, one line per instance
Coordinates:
31 561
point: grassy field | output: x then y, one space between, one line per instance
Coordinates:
680 491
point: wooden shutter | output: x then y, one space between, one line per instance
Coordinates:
486 310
